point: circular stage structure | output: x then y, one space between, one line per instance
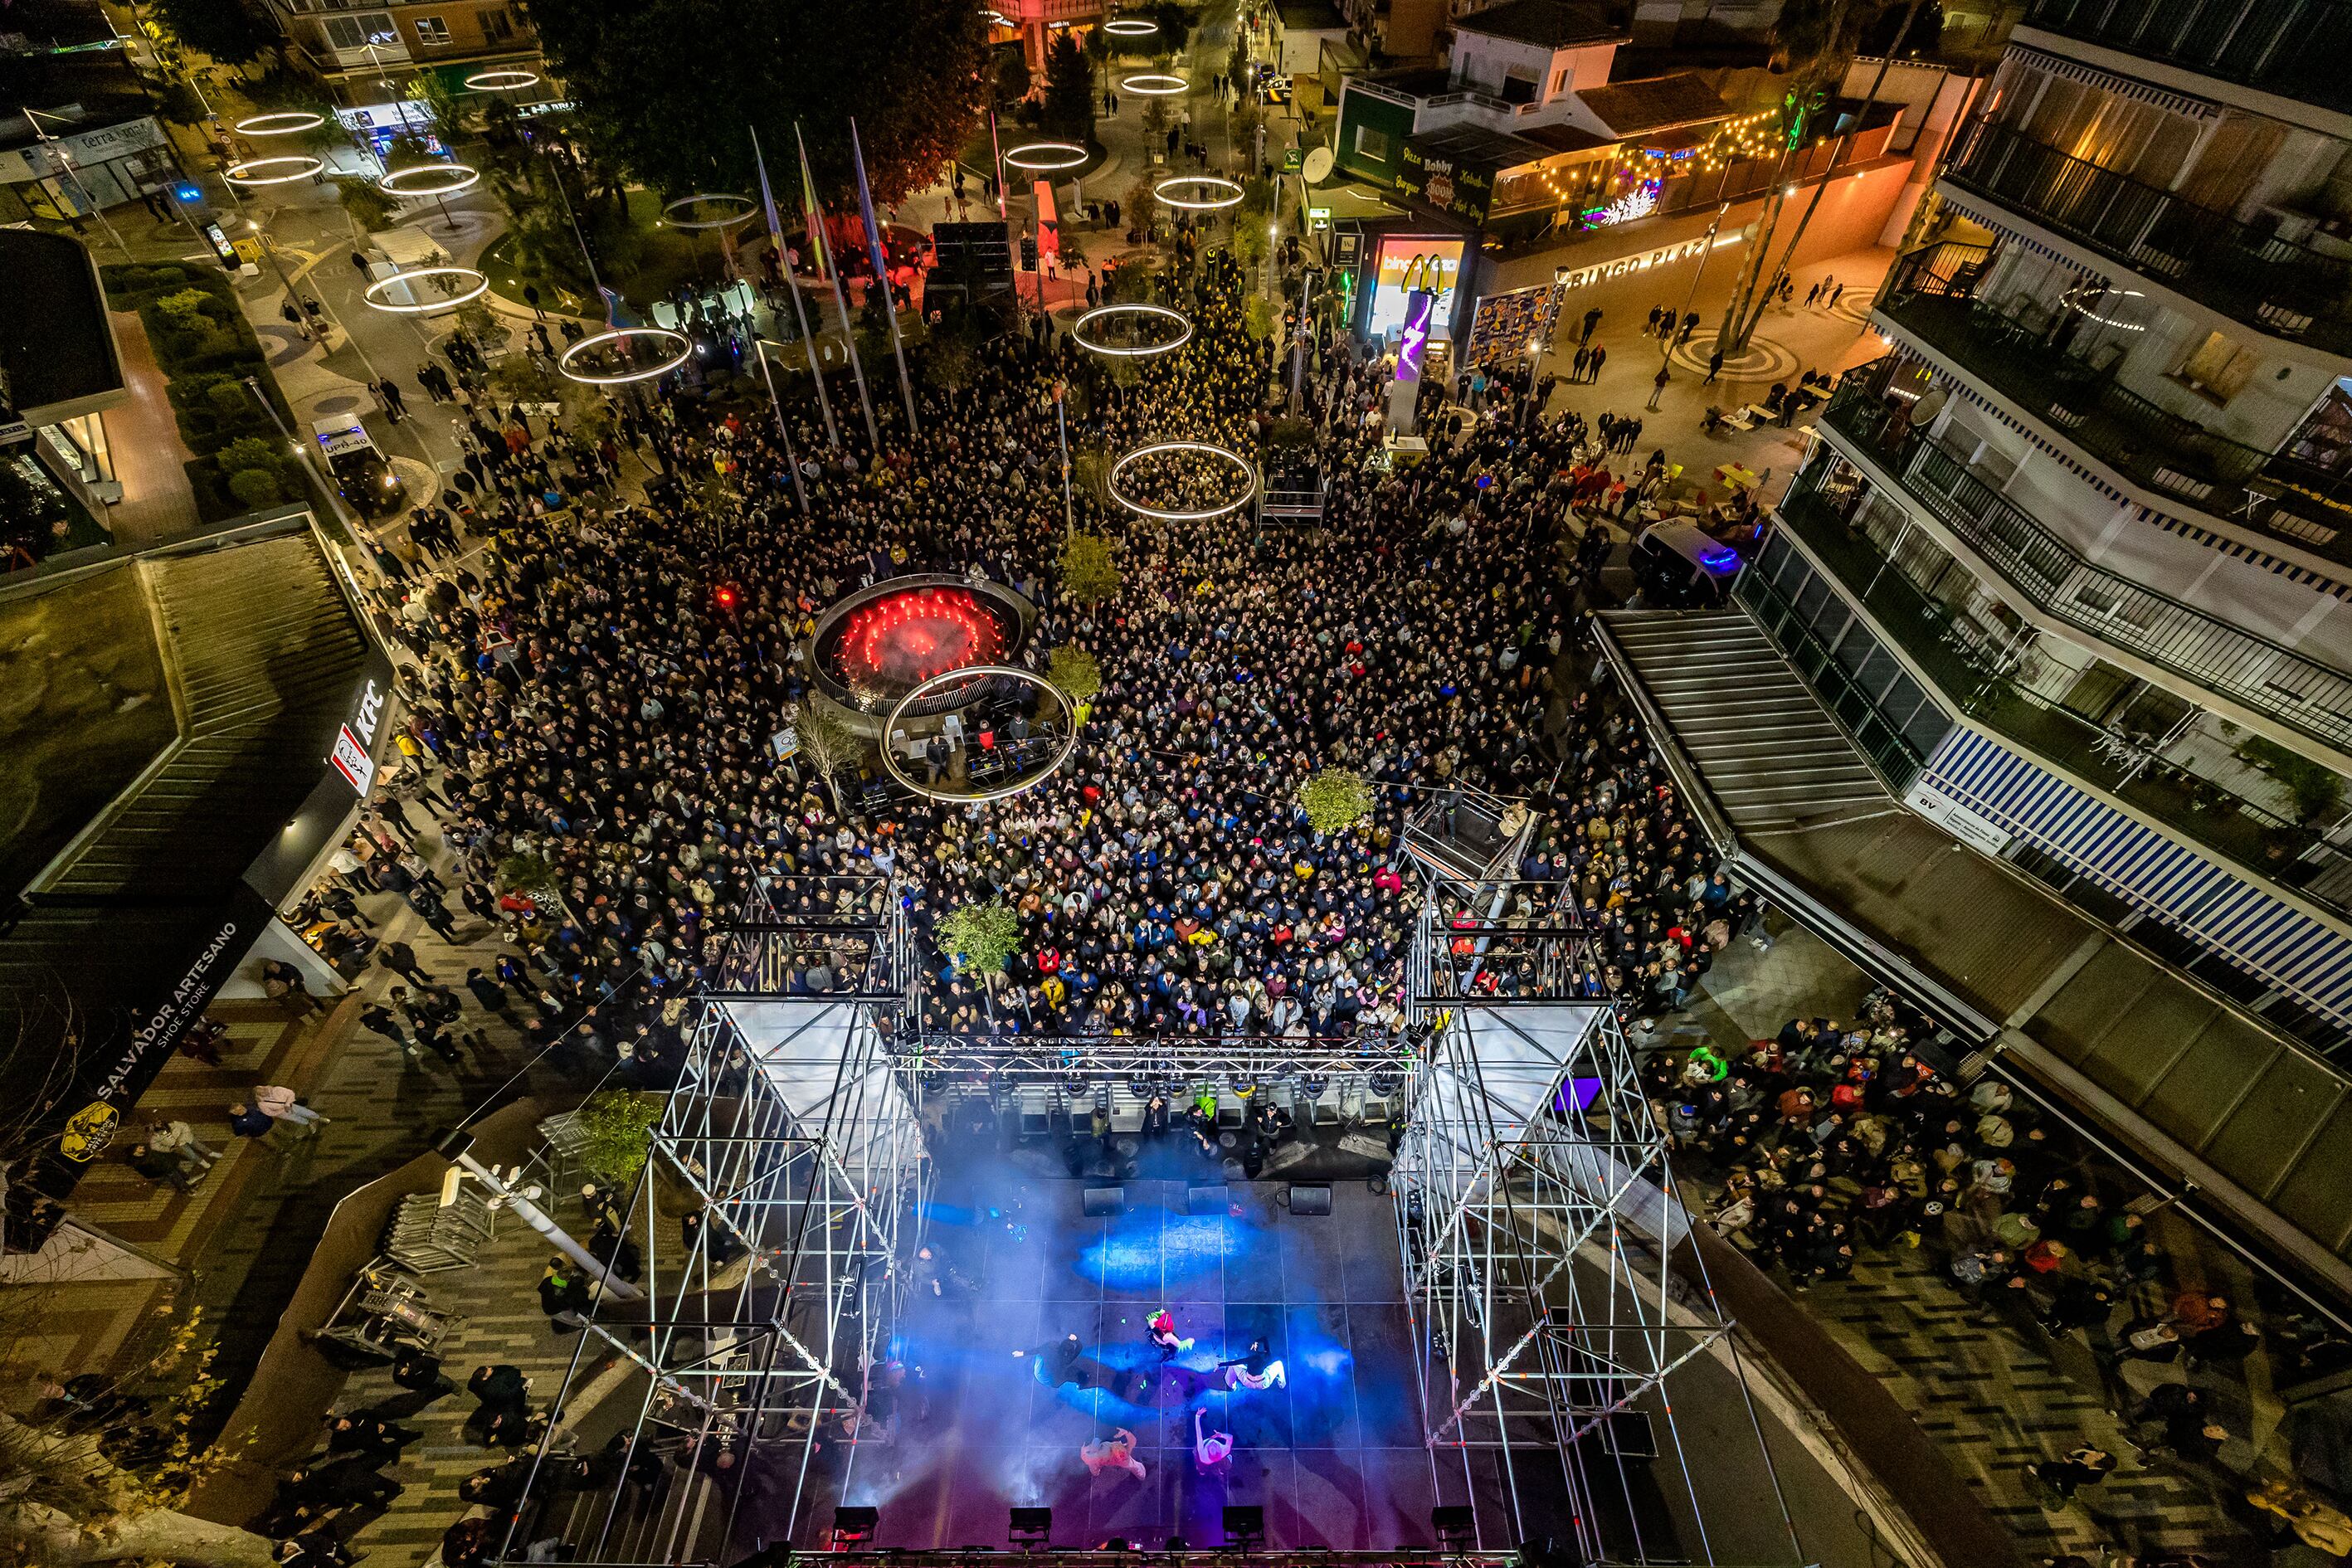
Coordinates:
873 648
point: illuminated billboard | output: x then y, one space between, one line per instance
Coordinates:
1414 261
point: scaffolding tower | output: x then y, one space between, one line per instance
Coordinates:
1537 1216
790 1156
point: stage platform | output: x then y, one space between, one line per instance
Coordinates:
1336 1459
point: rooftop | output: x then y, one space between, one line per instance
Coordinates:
59 358
1547 24
1655 103
1312 17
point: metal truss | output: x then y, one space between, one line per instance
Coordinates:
793 1146
850 943
1217 1060
1501 942
1536 1214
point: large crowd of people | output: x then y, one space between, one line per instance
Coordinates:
595 694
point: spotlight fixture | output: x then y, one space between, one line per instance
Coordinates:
855 1526
1029 1528
1312 1086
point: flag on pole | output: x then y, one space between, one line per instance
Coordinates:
814 214
784 265
879 253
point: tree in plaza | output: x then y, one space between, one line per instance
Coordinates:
670 89
1335 799
1073 672
980 939
1069 90
368 206
1012 79
829 744
1089 572
223 29
1813 42
448 116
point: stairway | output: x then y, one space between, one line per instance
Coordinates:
1768 752
265 656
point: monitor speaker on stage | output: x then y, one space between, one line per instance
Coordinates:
1310 1200
1103 1203
1207 1200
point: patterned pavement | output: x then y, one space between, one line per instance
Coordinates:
1996 1391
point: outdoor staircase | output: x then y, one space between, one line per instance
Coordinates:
1769 754
263 652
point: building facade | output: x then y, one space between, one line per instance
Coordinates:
371 58
2071 562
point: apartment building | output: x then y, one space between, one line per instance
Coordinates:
370 55
2071 562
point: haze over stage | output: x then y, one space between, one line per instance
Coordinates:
1335 1457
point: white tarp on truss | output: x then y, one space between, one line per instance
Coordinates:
1524 1055
798 1045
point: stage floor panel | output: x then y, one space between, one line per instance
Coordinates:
1335 1456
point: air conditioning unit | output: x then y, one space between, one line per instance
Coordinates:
2286 223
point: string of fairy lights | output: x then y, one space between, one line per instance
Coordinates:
1627 185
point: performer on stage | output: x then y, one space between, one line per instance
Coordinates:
1210 1449
1161 1327
1057 1363
1259 1369
1116 1454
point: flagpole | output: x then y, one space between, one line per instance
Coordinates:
882 274
840 298
792 282
791 461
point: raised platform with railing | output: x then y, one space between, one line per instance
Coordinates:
2261 674
2295 49
2257 276
2019 353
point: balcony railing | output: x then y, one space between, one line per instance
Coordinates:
2283 287
1932 292
2295 49
2251 671
1973 678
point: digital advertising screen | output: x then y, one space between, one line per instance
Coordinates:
1403 261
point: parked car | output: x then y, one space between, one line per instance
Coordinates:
362 473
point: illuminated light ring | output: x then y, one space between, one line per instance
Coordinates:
563 361
501 81
1196 203
1156 84
931 791
481 286
1249 476
1102 312
467 178
2102 294
284 123
243 174
1038 165
750 210
1130 27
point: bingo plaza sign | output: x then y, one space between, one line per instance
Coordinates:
1569 277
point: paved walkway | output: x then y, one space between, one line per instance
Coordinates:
1998 1393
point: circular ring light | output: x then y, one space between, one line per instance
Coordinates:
465 180
1043 157
501 81
1222 193
967 798
375 292
1164 514
1130 27
281 171
725 220
685 347
284 123
1136 312
1155 84
2094 299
